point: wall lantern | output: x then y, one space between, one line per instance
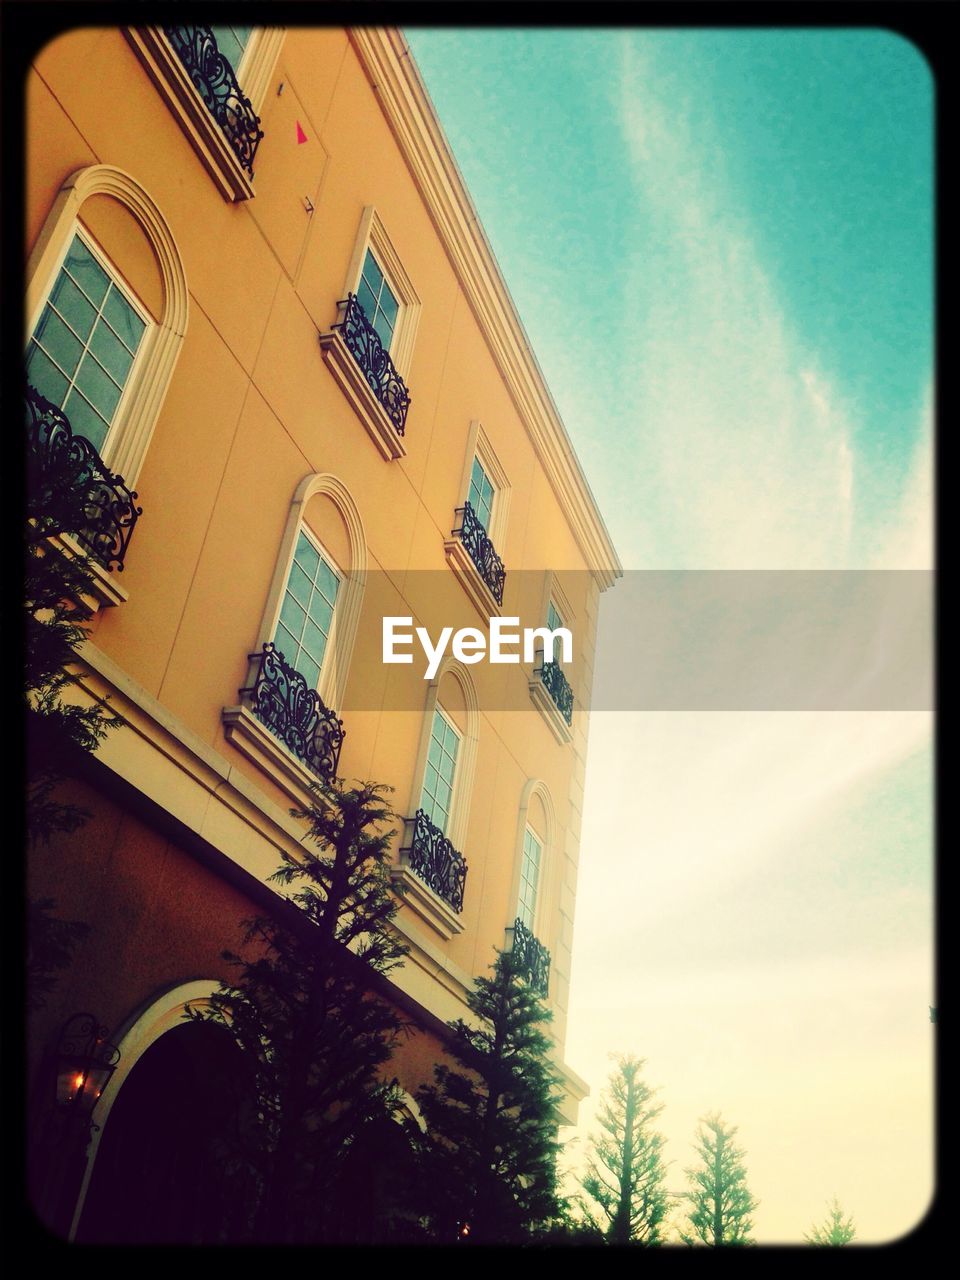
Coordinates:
85 1062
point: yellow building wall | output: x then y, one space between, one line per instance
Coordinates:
252 409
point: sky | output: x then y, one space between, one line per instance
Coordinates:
720 245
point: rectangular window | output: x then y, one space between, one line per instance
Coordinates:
80 354
306 613
529 878
231 41
379 304
437 796
553 622
481 494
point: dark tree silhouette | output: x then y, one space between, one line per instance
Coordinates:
720 1204
625 1195
492 1144
56 587
313 1034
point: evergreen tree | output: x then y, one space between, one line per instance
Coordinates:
492 1146
625 1172
835 1230
55 618
313 1035
720 1202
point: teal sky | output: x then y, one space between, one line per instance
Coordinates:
720 245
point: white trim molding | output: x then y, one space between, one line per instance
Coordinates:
393 76
151 373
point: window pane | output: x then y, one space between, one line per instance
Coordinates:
98 387
124 321
307 557
384 330
59 342
367 301
46 377
388 305
299 585
430 780
327 581
372 273
433 755
315 643
231 41
292 617
73 306
286 643
87 272
85 420
321 613
111 352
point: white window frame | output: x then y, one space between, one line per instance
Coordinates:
330 647
115 428
372 235
529 831
439 711
174 85
480 446
241 727
545 916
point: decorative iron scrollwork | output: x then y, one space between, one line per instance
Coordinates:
285 704
481 550
558 687
366 347
533 957
438 864
106 512
216 82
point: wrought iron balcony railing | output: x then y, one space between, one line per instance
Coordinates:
285 704
101 506
365 345
481 550
533 956
216 81
438 864
558 687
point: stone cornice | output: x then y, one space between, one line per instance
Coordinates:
389 66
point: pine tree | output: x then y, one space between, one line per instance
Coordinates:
625 1171
835 1230
311 1032
491 1154
56 730
720 1202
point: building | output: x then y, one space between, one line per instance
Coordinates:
261 294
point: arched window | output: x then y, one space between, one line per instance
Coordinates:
531 932
106 312
297 676
433 866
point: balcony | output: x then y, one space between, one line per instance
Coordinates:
558 687
428 858
215 80
90 508
551 694
368 377
533 957
280 701
473 558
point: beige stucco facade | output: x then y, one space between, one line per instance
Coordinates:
245 422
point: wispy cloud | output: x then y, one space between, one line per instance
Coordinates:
743 446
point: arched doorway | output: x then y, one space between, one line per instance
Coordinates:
163 1173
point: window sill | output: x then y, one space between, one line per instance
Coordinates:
105 590
468 575
542 700
245 732
349 378
423 902
203 133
